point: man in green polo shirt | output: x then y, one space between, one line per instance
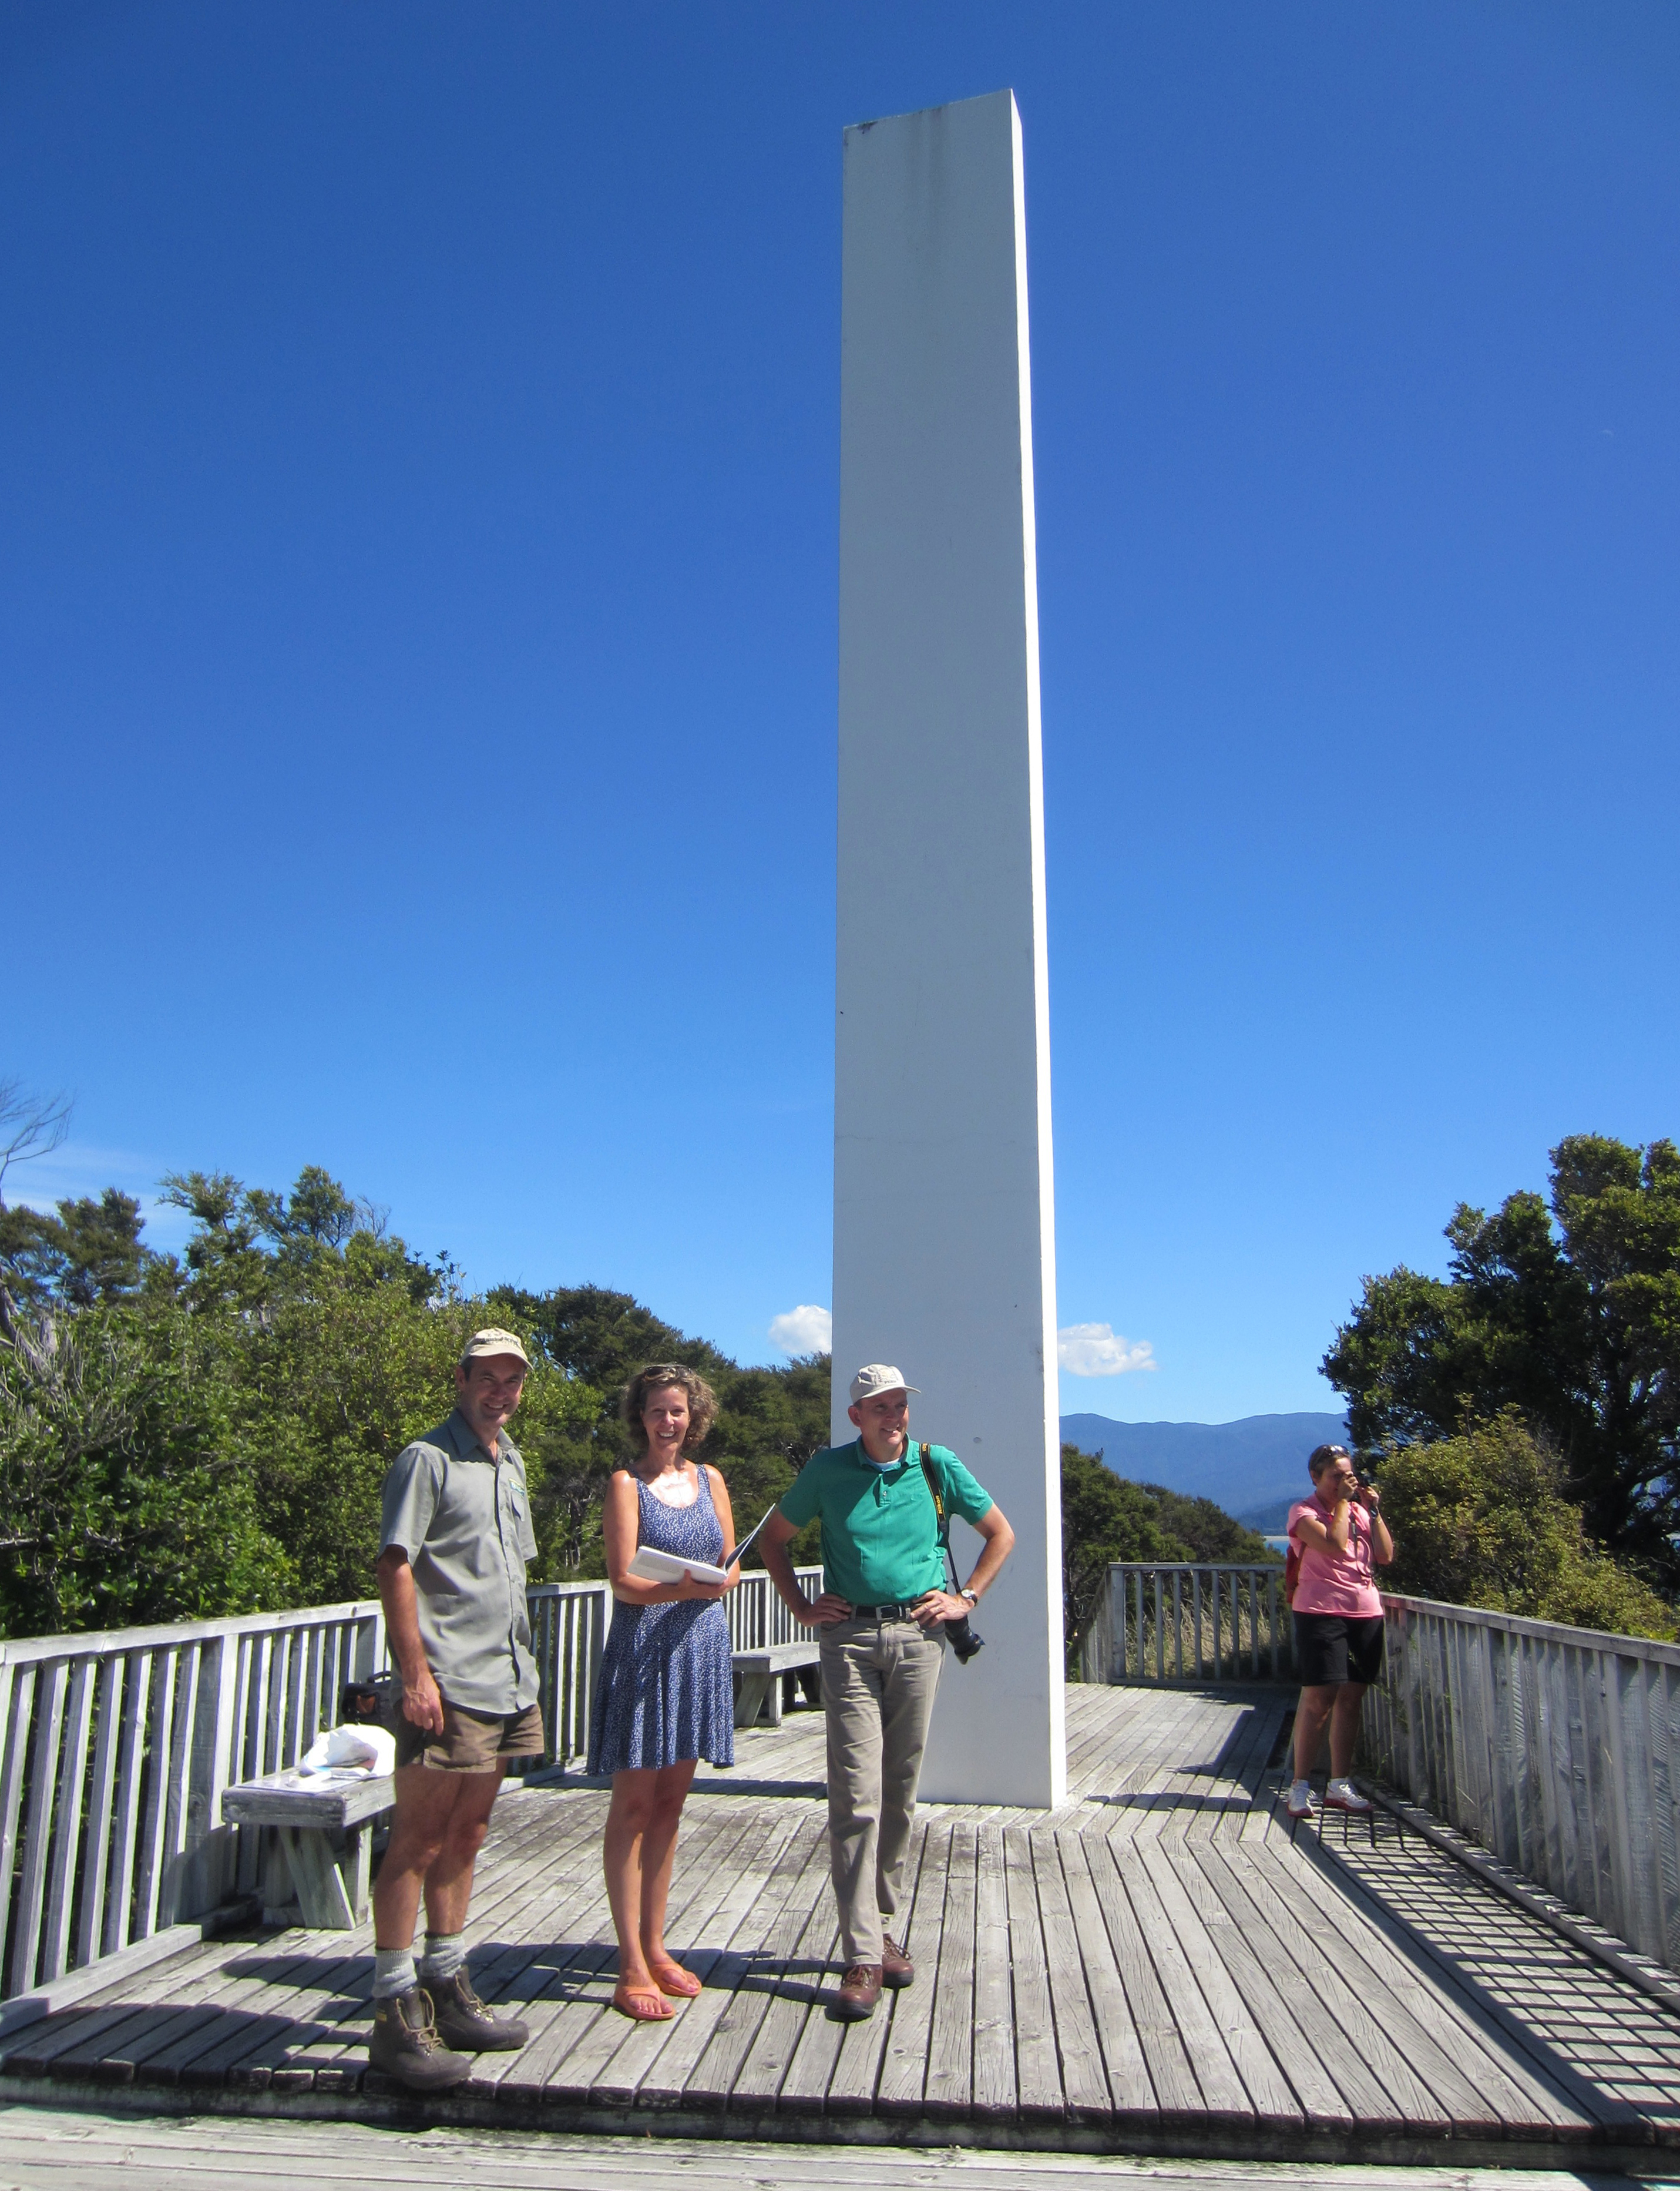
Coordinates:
881 1621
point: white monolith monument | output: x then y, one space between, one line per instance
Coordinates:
944 1221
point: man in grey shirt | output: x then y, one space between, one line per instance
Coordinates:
455 1538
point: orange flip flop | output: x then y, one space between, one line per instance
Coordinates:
671 1978
642 2004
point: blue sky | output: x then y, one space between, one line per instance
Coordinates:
417 625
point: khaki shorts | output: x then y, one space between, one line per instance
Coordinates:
471 1742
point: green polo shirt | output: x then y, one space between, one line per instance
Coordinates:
880 1533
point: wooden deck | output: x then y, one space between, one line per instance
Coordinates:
1157 1968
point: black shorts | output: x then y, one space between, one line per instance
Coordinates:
1333 1647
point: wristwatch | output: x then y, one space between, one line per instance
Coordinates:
972 1595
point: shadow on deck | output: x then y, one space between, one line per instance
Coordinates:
1158 1967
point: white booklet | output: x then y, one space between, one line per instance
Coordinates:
654 1566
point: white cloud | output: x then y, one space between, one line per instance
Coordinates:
79 1167
803 1330
1097 1350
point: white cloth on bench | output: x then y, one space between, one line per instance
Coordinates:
360 1753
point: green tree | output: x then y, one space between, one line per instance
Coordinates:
91 1252
328 1387
1481 1519
119 1501
1106 1517
333 1346
1103 1519
1208 1531
1567 1310
252 1247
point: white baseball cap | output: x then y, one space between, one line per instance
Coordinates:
876 1378
492 1340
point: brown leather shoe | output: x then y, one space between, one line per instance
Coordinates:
896 1967
859 1990
404 2043
465 2023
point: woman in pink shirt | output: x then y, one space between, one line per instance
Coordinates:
1340 1537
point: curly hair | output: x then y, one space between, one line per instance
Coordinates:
702 1399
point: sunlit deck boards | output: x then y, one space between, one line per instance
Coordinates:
1154 1967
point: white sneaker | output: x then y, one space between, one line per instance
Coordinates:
1343 1796
1301 1799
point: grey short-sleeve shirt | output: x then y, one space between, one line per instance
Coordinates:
463 1516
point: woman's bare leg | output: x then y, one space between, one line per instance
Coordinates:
1344 1728
659 1853
1311 1713
623 1858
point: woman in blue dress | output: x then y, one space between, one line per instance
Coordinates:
665 1696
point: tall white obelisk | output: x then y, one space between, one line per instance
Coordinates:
944 1219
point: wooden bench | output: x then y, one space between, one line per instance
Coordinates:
762 1677
326 1832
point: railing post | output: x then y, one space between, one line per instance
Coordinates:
43 1777
208 1874
89 1926
67 1825
19 1698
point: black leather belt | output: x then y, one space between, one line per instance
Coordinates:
883 1612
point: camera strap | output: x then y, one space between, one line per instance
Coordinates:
939 1516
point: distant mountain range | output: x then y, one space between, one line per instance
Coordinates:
1255 1468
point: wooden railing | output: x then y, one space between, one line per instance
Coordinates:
569 1623
758 1617
1557 1749
115 1750
1163 1623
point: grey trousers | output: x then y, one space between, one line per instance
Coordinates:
879 1679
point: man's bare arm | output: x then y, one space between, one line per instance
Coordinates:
421 1702
998 1542
774 1538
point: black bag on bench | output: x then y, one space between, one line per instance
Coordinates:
377 1702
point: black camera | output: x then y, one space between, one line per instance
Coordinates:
963 1639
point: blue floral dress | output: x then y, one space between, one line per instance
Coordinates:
664 1692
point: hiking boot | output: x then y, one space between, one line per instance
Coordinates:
859 1990
896 1967
1301 1799
406 2045
465 2023
1343 1796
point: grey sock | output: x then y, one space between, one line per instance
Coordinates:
392 1973
446 1953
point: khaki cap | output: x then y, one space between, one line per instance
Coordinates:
876 1378
492 1340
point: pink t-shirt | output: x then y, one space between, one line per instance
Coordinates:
1331 1581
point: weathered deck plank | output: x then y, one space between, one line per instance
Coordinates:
1084 2078
1179 2099
1518 2087
1155 1965
1130 2092
885 2075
